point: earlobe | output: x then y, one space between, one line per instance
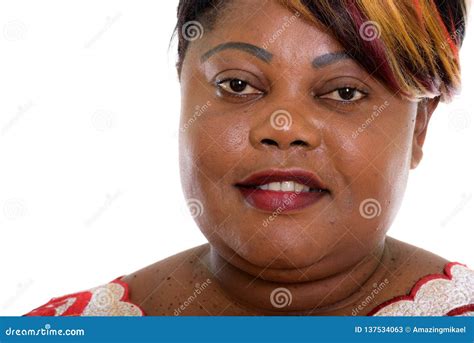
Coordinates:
425 110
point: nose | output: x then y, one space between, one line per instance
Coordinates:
284 129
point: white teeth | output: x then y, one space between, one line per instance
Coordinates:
274 186
285 186
299 187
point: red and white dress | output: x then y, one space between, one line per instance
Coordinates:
448 294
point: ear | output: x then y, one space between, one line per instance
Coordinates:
425 109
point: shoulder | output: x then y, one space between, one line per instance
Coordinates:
110 299
160 287
429 285
152 290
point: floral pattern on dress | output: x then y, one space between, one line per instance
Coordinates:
448 294
111 299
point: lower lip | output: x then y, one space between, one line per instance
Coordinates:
280 201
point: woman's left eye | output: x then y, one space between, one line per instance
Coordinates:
238 87
345 94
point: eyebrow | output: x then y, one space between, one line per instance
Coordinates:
327 59
258 52
266 56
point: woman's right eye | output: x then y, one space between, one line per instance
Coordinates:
238 87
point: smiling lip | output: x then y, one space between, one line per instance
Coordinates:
279 200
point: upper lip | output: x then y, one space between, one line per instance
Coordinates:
277 175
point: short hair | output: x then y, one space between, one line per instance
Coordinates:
412 46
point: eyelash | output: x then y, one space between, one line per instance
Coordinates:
346 102
220 82
340 102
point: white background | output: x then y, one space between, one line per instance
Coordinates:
89 183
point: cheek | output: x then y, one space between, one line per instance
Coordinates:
373 166
214 142
210 150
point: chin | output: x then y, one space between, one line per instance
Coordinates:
281 249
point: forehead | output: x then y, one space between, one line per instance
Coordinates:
269 25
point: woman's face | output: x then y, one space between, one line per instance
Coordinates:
289 100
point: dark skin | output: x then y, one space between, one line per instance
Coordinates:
327 255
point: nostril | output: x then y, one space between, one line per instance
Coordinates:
299 143
268 141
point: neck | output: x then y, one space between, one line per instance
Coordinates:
337 292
